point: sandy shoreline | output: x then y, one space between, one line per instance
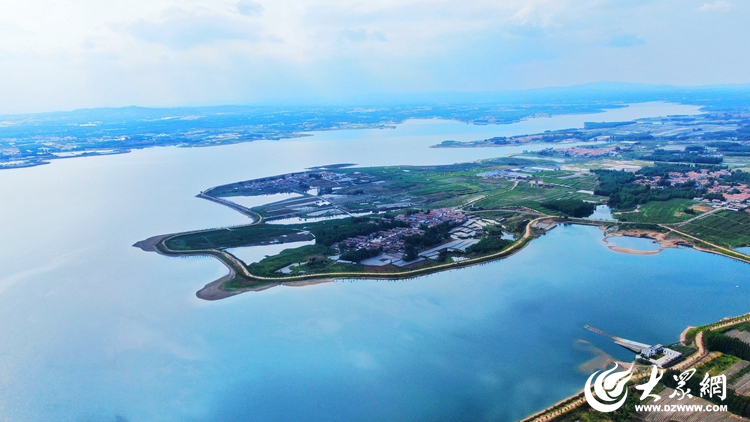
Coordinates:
663 239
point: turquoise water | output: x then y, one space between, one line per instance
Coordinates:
94 329
636 243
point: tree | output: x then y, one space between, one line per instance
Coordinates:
410 253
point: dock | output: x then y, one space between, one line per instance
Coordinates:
658 355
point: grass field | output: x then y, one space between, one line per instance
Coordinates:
268 266
577 181
660 212
725 228
718 365
526 195
424 187
234 237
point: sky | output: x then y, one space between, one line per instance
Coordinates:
69 54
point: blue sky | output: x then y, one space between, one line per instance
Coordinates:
66 54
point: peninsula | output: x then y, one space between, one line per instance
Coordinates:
405 221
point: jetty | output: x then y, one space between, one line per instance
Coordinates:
657 355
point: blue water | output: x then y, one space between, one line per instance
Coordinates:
637 243
602 212
94 328
415 351
256 201
250 254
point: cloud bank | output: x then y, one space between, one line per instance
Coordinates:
86 53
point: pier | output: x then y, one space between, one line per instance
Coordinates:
658 355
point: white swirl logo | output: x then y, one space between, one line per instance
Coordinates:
608 387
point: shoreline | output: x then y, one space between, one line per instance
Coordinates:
248 282
239 273
662 239
701 355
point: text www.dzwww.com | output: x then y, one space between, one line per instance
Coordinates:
680 408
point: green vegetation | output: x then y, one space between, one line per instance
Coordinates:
526 195
359 254
745 326
734 350
685 350
737 375
671 211
573 180
718 365
736 403
663 170
731 148
479 189
571 207
489 245
332 231
624 193
268 266
736 177
681 157
724 228
432 236
438 186
725 344
235 236
585 413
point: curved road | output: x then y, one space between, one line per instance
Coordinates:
238 268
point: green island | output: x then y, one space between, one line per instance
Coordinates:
399 222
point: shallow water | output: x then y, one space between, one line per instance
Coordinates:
256 201
602 212
251 254
94 328
636 243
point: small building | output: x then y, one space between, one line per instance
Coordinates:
652 351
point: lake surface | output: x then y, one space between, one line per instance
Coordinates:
637 243
250 254
602 212
256 201
96 330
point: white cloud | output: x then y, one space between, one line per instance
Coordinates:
86 53
249 8
181 29
361 35
717 6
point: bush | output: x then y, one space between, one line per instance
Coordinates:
571 207
488 245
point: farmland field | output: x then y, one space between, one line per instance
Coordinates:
725 228
671 211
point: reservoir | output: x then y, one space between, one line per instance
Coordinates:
97 330
635 243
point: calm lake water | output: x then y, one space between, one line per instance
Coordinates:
96 330
637 243
251 254
602 212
